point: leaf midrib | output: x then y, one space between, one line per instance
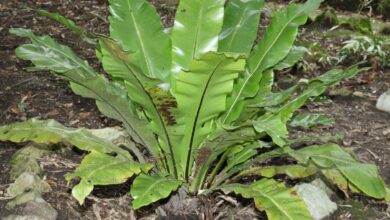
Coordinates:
144 52
193 128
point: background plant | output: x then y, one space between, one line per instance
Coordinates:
199 100
373 49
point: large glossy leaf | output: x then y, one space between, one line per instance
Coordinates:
119 64
148 189
201 96
50 131
278 201
101 169
195 32
67 23
137 26
272 49
364 176
111 98
240 26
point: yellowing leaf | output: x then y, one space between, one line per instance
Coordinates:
274 198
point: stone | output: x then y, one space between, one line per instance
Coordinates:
37 209
40 208
24 198
25 159
20 165
23 217
316 200
383 102
322 185
27 182
33 150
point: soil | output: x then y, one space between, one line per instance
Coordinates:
24 95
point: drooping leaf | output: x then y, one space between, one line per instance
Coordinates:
67 23
46 54
316 87
111 98
201 96
240 26
137 26
364 176
101 169
292 58
119 64
113 102
272 49
50 131
311 120
278 201
147 189
195 32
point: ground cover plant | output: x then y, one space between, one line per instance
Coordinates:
206 118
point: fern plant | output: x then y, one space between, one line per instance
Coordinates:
199 100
